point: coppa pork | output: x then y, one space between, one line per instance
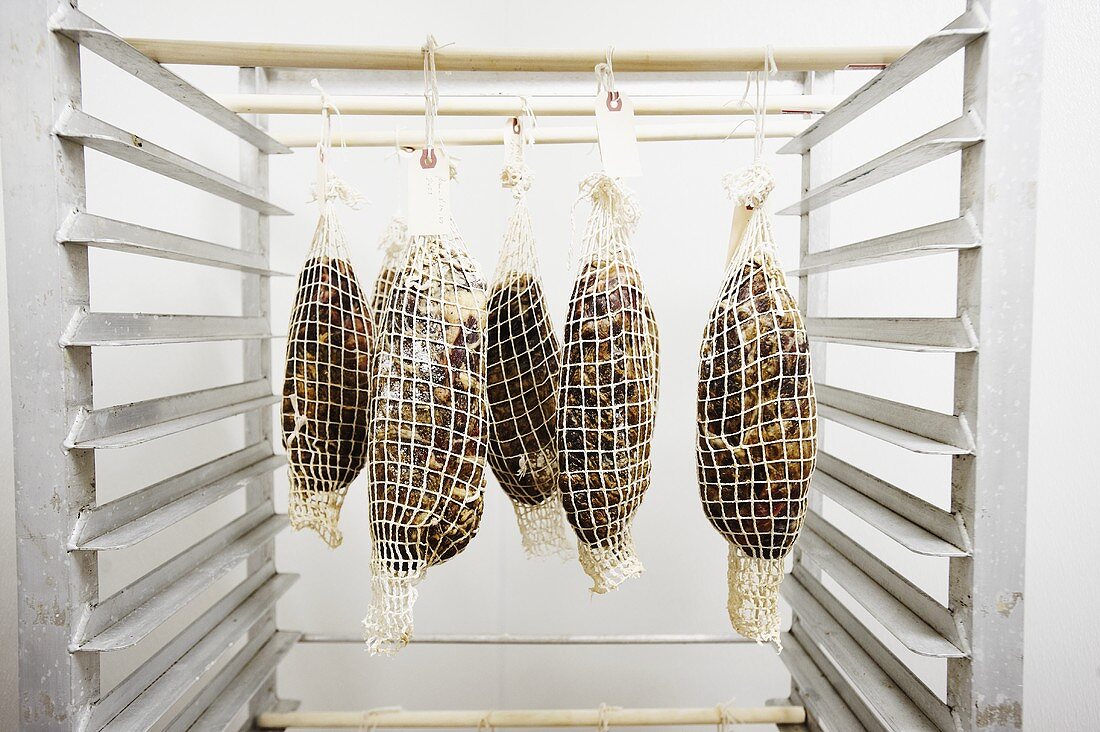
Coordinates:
609 390
524 356
757 421
429 425
326 391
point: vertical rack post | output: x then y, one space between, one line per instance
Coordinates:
256 302
814 234
999 186
47 283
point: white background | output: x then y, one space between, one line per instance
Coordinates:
680 245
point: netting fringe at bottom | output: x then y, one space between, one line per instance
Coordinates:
754 596
318 511
610 566
542 529
389 622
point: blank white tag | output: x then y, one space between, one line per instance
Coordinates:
429 195
618 138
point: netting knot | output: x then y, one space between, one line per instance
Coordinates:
337 190
394 238
750 186
609 193
517 176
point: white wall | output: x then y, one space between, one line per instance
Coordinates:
1062 644
680 243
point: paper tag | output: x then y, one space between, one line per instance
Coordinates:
429 194
618 138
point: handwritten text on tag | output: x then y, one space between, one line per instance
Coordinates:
429 195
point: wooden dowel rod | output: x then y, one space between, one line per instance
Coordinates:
539 640
543 135
457 58
509 106
532 718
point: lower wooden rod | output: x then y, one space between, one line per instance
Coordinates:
477 719
545 135
502 106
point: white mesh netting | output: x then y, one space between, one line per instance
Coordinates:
523 359
393 244
326 392
428 429
609 389
757 418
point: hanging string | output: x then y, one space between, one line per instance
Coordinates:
605 74
726 717
368 723
486 723
516 173
328 187
751 185
603 721
431 95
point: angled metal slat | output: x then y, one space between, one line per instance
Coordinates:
968 27
825 710
131 424
917 525
90 328
233 687
919 622
942 236
133 612
167 675
120 236
916 429
934 335
98 135
895 695
80 28
954 136
133 518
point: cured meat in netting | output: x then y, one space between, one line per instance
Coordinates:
757 417
609 389
326 392
428 429
523 360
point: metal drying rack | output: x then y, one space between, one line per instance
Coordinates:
844 675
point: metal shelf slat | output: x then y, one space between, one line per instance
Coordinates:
93 328
917 525
968 27
96 134
121 236
942 236
915 429
823 704
234 687
893 692
133 612
166 676
133 518
956 135
131 424
919 622
926 335
78 27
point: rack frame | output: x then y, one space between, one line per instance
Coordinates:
843 675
